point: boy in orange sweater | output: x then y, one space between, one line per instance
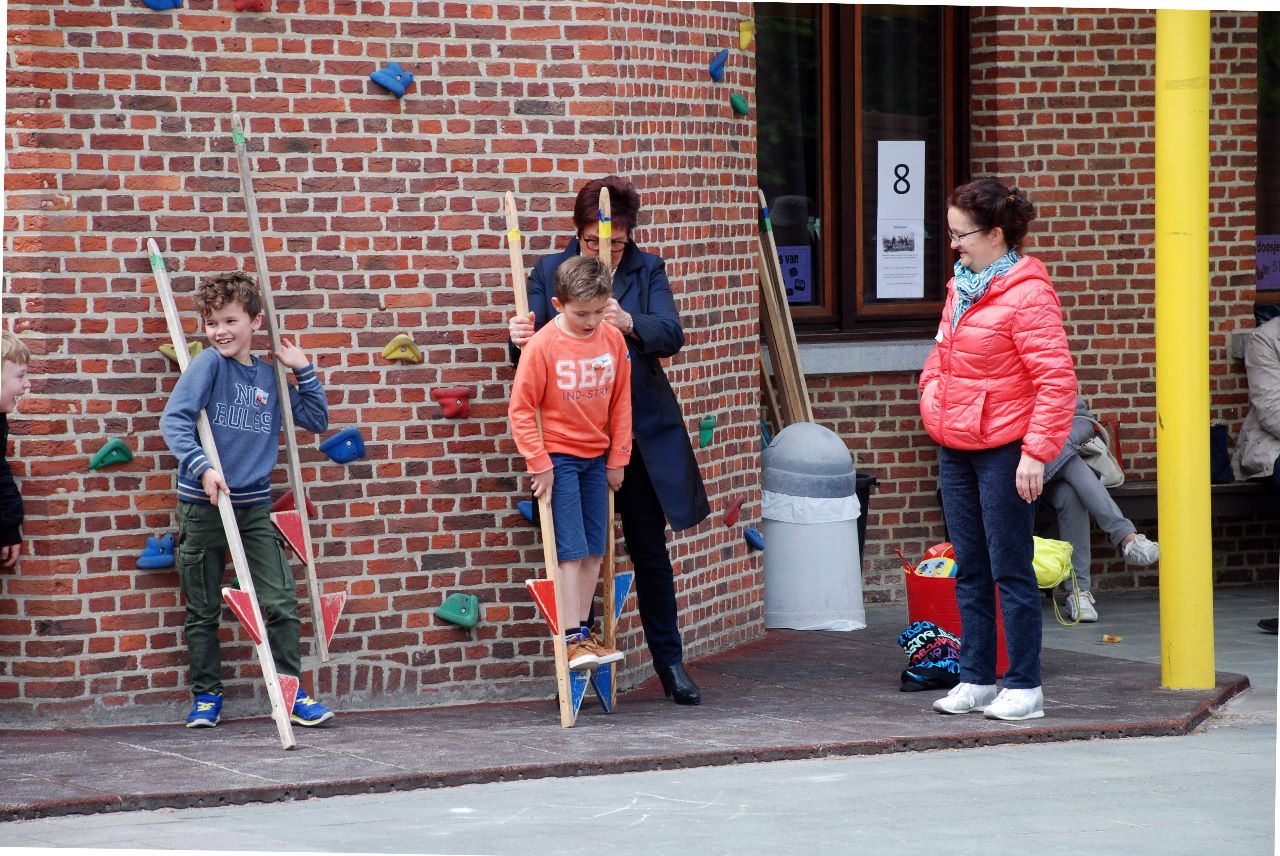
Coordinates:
576 371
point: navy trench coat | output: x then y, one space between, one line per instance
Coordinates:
641 288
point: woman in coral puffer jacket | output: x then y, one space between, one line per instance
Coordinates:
997 394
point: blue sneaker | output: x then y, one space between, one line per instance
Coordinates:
308 712
204 713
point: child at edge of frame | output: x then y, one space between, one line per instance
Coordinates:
576 371
237 392
13 385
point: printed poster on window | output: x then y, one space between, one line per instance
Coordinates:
900 219
1268 260
797 272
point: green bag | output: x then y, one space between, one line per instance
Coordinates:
1052 563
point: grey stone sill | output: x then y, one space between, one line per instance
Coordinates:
906 355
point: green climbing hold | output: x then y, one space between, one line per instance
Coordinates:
114 451
739 104
460 609
706 430
193 348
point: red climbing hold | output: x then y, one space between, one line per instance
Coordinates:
454 401
251 5
285 503
731 510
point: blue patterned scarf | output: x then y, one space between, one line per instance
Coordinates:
971 286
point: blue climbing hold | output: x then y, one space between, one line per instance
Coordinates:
526 509
158 553
393 78
754 538
717 65
163 5
345 446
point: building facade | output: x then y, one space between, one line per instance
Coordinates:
383 216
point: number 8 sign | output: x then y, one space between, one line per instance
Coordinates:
900 180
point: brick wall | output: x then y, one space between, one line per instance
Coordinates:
380 216
1063 103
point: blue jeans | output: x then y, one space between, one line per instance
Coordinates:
579 502
991 526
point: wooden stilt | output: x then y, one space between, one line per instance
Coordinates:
280 710
563 689
314 593
780 334
607 569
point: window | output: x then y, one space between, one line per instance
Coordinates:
1267 236
838 88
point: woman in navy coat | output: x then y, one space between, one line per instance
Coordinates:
662 482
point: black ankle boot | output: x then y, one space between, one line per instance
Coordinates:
677 685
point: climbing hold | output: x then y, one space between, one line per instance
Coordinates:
706 430
528 510
746 31
754 538
460 609
454 401
163 5
157 554
345 446
717 65
193 348
739 104
731 510
114 451
250 6
393 78
286 503
402 348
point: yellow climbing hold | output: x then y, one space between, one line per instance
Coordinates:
193 348
746 31
402 348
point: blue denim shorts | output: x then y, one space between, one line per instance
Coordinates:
579 503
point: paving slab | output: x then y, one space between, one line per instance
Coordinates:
790 695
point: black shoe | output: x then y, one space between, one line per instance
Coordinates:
677 685
1270 625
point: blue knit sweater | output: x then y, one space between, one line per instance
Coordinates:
244 412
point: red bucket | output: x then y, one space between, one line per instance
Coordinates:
934 599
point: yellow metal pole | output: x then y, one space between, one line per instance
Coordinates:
1182 348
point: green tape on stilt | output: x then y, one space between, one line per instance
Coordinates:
157 263
237 137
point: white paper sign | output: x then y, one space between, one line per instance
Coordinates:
900 219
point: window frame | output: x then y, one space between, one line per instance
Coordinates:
844 313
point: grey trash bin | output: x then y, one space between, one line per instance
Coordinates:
812 563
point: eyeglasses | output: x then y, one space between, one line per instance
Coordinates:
956 238
593 244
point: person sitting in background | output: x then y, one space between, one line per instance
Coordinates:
1076 493
1257 454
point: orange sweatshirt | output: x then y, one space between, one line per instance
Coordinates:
582 388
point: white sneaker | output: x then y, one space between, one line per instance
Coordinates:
966 698
1141 551
1082 608
1016 704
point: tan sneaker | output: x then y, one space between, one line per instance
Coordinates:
581 655
604 654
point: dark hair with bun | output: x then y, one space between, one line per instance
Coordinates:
624 203
989 204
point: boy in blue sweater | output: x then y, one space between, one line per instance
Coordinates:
238 393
